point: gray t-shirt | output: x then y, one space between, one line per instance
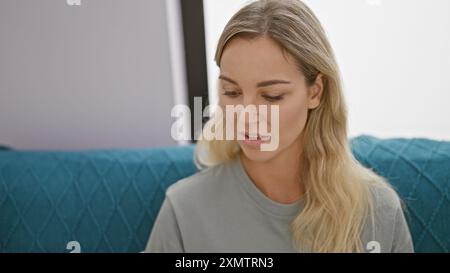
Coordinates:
220 209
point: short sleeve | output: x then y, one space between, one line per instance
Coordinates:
402 242
165 235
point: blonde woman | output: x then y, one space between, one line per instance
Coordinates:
309 194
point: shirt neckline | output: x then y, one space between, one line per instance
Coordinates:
263 201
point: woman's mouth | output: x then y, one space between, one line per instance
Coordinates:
254 140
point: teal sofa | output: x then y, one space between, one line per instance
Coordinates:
107 200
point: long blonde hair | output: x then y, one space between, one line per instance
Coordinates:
338 195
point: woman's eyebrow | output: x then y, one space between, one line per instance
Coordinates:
272 82
260 84
225 78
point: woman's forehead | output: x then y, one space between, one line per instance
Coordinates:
258 59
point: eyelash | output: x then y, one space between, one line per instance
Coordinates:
234 94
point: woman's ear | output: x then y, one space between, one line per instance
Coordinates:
315 92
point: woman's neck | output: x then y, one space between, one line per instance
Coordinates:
278 178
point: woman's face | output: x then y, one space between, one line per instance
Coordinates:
258 72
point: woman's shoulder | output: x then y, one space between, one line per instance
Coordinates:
386 202
390 229
385 197
204 184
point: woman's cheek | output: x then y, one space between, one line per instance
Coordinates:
292 122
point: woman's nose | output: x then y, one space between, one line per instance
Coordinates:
249 100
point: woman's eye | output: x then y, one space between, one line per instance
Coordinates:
272 98
232 94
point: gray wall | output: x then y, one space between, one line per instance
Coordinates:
79 77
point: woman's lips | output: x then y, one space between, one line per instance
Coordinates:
255 140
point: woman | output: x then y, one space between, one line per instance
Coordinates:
309 194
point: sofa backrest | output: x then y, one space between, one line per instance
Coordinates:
102 201
107 200
419 169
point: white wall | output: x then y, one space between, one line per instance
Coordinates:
98 75
394 57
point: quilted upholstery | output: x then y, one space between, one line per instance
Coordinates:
107 200
419 169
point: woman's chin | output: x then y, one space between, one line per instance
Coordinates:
254 153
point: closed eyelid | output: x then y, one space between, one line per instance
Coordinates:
263 94
274 92
272 95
